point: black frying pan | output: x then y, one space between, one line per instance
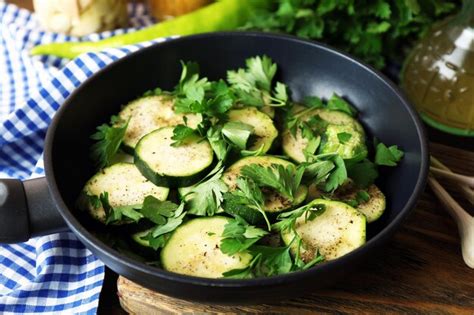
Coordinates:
308 68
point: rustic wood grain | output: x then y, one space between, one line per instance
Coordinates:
420 271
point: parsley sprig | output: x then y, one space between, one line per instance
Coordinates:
253 85
283 179
109 139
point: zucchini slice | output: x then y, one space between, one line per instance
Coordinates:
166 165
273 202
294 146
372 208
337 231
353 148
264 130
150 113
194 249
125 186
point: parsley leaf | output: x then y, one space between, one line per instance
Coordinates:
247 189
237 133
155 92
387 156
157 211
317 171
159 235
257 152
339 104
313 102
287 220
217 142
362 196
363 173
344 137
191 90
181 134
253 85
338 175
206 197
109 139
284 180
238 236
116 214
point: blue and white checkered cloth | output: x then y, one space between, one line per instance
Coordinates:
55 273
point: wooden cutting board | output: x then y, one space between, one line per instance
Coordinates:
420 271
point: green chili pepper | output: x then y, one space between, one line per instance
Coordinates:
220 16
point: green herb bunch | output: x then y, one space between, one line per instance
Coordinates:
373 30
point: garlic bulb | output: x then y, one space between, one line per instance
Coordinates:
81 17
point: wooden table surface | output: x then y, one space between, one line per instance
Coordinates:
419 271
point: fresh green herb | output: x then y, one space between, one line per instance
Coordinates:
251 195
253 85
157 211
317 124
182 134
257 152
375 31
344 137
217 142
313 102
116 214
160 234
339 104
363 173
171 224
284 180
287 220
109 139
94 201
207 196
338 175
362 196
191 89
221 98
317 171
387 156
155 92
237 133
238 236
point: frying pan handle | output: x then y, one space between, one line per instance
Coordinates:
27 210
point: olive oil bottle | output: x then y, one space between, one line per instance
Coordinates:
438 75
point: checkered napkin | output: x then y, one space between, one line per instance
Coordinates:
55 273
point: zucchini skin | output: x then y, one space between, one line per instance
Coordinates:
170 181
344 230
200 255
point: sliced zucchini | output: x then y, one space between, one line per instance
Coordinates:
172 166
125 186
264 130
294 146
150 113
372 208
194 249
273 202
346 141
121 157
337 231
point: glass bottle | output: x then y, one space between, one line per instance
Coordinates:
438 75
